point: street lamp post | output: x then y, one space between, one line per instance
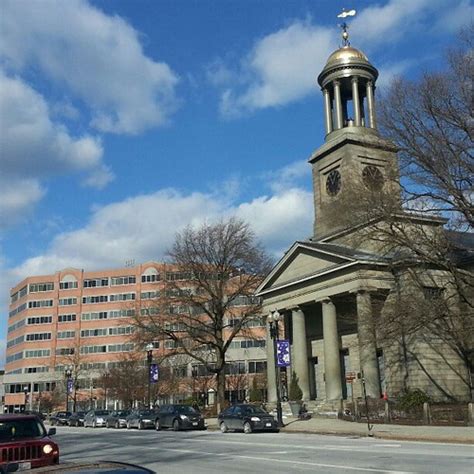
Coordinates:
67 375
273 318
25 391
149 359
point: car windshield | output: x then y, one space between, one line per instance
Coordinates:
146 412
251 410
101 412
123 413
20 429
186 410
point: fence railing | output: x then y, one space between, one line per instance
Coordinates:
385 411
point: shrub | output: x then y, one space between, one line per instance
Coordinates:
255 394
295 392
412 399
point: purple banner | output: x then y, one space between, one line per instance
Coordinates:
154 372
283 353
70 385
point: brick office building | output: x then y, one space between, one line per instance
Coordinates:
91 314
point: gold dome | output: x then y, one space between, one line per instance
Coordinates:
346 54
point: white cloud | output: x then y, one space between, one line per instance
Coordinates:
99 178
143 228
282 67
97 57
34 147
17 198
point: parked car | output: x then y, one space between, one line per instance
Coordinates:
40 415
141 419
25 443
117 419
77 418
59 418
96 418
179 417
246 418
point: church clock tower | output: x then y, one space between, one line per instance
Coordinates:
354 163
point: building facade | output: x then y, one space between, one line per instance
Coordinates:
334 289
83 321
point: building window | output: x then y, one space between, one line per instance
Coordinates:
67 301
35 370
125 280
122 297
432 293
66 318
16 325
68 285
151 278
40 303
14 357
15 311
40 320
121 313
38 287
94 316
16 341
121 330
235 368
148 295
171 344
63 351
95 299
93 349
37 353
257 367
92 283
120 347
94 332
38 336
66 334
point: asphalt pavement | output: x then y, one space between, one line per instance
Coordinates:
207 452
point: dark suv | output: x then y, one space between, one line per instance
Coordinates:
179 417
25 443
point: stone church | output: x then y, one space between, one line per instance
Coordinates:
332 290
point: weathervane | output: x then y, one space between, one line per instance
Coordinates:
345 35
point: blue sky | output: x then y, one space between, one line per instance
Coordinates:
123 121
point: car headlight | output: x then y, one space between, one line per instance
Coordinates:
47 449
183 417
255 418
100 420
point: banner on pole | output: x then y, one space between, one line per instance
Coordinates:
70 385
283 353
154 372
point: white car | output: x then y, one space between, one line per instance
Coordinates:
96 418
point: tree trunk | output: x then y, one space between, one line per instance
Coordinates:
220 390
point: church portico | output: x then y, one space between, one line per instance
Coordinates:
325 319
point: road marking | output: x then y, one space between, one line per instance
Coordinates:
286 461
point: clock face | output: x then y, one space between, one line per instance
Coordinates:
372 177
333 182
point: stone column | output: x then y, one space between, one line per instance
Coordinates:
332 362
327 111
367 344
371 104
300 351
271 373
356 101
338 105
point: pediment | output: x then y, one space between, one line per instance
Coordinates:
300 262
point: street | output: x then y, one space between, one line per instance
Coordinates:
211 451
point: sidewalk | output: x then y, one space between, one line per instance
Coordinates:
332 426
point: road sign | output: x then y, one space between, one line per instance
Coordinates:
154 373
350 377
283 353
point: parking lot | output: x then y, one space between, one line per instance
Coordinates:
211 451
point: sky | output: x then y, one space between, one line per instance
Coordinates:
123 121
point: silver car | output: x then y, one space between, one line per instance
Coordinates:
96 418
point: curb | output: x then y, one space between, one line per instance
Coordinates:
377 435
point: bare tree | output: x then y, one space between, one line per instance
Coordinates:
208 297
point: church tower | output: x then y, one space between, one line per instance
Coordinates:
354 163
